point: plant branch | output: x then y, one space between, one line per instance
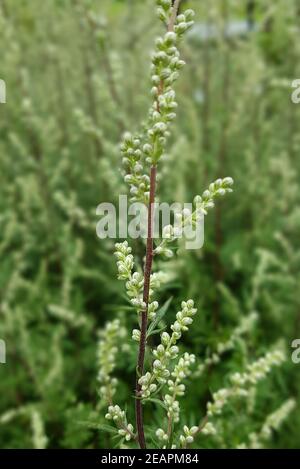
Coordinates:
174 15
147 274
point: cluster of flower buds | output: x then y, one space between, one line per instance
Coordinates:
220 398
168 349
246 325
161 434
272 422
124 260
163 250
188 437
183 21
136 335
115 413
139 183
275 420
152 309
259 369
240 381
134 288
176 388
160 117
165 68
119 417
127 432
188 218
164 10
170 233
173 407
189 433
148 387
184 318
209 429
216 189
155 281
135 280
181 371
109 339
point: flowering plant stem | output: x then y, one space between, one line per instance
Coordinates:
147 274
144 319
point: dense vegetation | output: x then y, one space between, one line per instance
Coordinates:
77 77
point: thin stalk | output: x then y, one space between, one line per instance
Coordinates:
144 320
147 274
200 428
174 15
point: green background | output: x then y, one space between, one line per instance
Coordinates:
77 76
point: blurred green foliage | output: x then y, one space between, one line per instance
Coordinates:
77 76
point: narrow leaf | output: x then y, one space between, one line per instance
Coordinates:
159 315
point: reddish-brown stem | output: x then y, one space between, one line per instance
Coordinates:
147 274
202 424
174 15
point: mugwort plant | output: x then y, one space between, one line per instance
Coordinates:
160 379
222 383
141 156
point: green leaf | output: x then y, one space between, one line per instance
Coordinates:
120 308
137 371
99 426
156 331
156 401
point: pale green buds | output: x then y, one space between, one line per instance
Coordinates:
126 432
189 15
170 39
209 429
165 338
161 435
181 28
115 413
218 188
168 232
188 436
136 335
